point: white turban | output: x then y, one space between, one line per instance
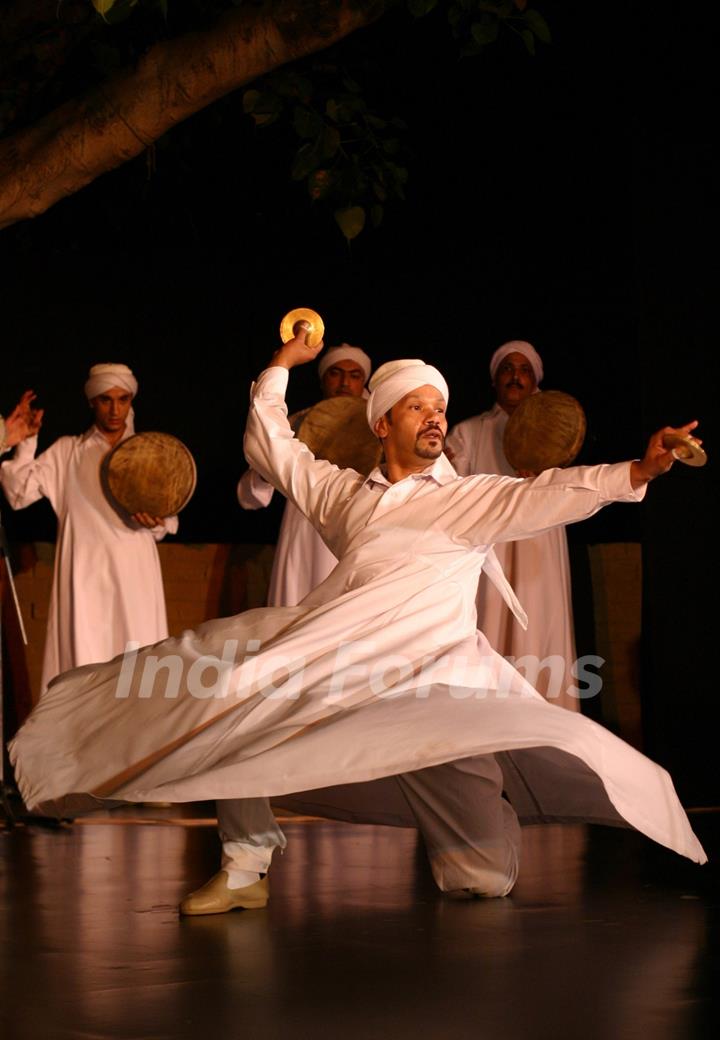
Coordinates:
105 377
345 353
397 378
517 346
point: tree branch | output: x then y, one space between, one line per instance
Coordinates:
91 135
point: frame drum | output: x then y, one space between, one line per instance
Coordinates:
337 430
546 430
150 473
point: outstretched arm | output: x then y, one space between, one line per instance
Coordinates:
485 509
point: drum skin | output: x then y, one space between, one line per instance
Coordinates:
546 430
150 473
337 430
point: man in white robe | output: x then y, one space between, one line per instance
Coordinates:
537 568
302 560
107 586
378 675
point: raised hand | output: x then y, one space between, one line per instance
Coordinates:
23 421
297 351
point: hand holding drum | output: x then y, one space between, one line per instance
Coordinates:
149 475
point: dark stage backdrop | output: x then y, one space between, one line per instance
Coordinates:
564 199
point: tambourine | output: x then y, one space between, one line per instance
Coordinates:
150 473
337 430
547 429
290 327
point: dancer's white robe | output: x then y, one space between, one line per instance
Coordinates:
302 560
537 568
107 586
379 671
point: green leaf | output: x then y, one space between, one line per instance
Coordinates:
537 24
329 142
529 40
340 110
114 11
307 123
351 221
399 176
485 32
419 8
376 214
455 15
306 160
263 106
351 181
291 84
103 6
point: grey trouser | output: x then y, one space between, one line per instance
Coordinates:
470 831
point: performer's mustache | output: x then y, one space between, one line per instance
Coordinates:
433 429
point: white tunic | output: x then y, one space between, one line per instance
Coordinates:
379 671
107 587
302 560
537 568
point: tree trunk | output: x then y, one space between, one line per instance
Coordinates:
113 123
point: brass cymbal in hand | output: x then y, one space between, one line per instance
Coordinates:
685 449
290 325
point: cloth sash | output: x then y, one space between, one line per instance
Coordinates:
493 568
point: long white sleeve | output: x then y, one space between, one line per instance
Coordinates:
253 491
271 448
26 479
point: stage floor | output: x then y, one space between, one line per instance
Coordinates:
605 937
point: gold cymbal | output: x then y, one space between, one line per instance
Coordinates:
289 325
685 449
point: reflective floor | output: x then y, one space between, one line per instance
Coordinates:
605 936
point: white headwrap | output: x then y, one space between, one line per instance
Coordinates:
345 353
105 377
517 346
395 379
